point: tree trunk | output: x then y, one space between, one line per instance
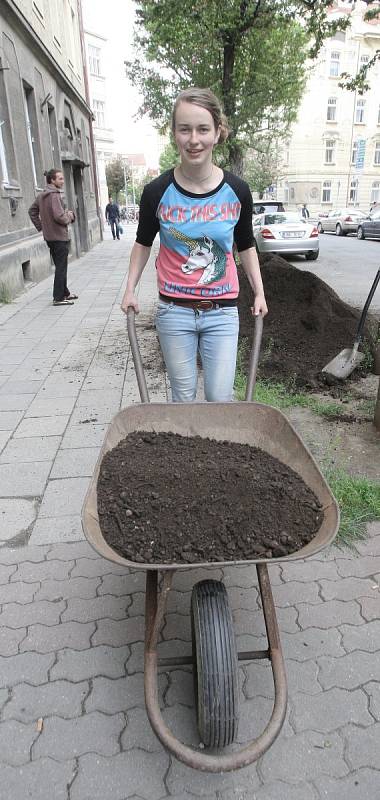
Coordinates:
236 160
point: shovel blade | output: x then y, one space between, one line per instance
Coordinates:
344 363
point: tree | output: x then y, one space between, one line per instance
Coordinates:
169 157
251 53
360 81
262 166
117 171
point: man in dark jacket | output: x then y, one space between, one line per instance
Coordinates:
305 211
113 217
49 216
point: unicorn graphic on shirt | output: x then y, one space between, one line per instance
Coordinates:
204 254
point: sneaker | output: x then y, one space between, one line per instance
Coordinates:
63 302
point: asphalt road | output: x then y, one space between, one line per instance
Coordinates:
348 266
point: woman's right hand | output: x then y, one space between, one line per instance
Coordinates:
129 301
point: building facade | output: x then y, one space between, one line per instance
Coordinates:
332 158
45 122
99 74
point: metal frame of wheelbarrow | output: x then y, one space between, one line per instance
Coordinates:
156 598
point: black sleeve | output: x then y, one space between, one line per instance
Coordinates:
149 224
243 233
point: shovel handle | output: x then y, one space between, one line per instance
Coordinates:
366 307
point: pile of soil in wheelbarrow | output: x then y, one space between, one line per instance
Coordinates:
307 324
165 498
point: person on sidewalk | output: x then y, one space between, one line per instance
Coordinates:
49 216
305 211
113 218
200 210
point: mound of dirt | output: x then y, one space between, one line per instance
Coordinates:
307 324
213 501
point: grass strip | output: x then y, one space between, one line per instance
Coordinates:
359 503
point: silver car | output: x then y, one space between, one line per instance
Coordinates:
341 221
286 232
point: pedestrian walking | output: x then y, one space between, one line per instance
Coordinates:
200 210
113 218
305 211
49 215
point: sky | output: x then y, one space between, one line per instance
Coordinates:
115 22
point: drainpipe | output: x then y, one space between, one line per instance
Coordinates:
88 100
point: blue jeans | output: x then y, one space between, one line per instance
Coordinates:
182 332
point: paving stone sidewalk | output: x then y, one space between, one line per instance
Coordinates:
73 722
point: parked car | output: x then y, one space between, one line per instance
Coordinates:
261 206
341 221
286 232
369 227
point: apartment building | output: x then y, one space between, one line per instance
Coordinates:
45 122
333 155
99 69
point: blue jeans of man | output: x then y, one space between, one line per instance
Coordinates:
183 332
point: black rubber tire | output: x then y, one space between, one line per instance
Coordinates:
320 228
339 230
216 681
312 256
360 233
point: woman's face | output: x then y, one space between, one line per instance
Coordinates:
195 134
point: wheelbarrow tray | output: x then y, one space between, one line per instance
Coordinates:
246 422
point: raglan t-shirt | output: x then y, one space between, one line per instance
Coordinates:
197 233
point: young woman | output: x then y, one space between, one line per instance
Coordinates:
199 210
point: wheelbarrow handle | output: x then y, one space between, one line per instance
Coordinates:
139 369
136 355
254 358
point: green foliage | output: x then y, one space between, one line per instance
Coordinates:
262 166
359 503
169 157
116 176
251 54
5 296
360 82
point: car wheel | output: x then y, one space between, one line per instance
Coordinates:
360 233
339 230
312 255
320 229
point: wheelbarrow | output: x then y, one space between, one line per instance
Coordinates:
214 655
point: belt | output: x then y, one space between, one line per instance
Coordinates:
199 305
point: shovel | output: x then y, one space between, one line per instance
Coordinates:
345 362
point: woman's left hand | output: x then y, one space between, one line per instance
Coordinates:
260 306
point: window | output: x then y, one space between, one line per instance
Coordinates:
364 60
99 113
354 187
331 109
375 192
354 153
326 192
329 151
334 64
359 111
94 59
376 159
3 156
286 192
53 133
33 135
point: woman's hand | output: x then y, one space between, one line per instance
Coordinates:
260 306
129 301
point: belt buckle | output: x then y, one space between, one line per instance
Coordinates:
205 305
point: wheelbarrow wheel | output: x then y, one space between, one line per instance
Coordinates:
215 664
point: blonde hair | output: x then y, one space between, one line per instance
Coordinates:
206 99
